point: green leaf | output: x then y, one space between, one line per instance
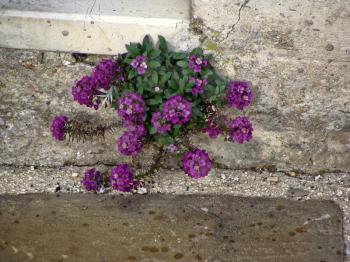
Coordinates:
165 139
182 84
176 76
176 130
132 74
183 64
197 51
153 64
154 54
140 90
155 77
167 93
152 131
155 101
147 41
179 56
162 44
173 84
132 49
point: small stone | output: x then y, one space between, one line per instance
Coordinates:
329 47
32 168
75 175
293 174
204 209
339 193
273 179
223 176
318 177
142 190
65 62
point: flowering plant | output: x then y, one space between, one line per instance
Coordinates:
160 96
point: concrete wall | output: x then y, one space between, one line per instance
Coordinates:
296 53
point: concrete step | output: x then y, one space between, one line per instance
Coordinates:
168 228
89 26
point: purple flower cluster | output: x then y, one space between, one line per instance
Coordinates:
177 110
58 127
121 178
238 94
196 163
159 123
197 63
131 108
137 128
199 85
240 129
104 73
129 144
84 92
212 129
139 63
92 180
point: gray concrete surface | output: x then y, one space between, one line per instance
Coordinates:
296 187
297 55
90 26
168 228
301 107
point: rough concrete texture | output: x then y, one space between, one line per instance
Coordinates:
295 53
34 87
168 228
335 187
90 26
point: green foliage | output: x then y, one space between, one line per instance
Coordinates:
168 74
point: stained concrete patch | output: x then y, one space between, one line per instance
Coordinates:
168 228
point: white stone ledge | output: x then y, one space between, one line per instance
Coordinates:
100 26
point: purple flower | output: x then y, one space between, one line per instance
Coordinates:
172 148
196 163
212 129
199 85
177 110
240 129
58 127
92 180
238 94
84 92
137 128
139 63
104 73
159 123
131 108
121 178
197 63
129 143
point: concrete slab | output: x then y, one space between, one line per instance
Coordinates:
89 26
168 228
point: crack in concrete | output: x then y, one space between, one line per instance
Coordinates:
238 19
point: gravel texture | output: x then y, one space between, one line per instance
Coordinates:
328 186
